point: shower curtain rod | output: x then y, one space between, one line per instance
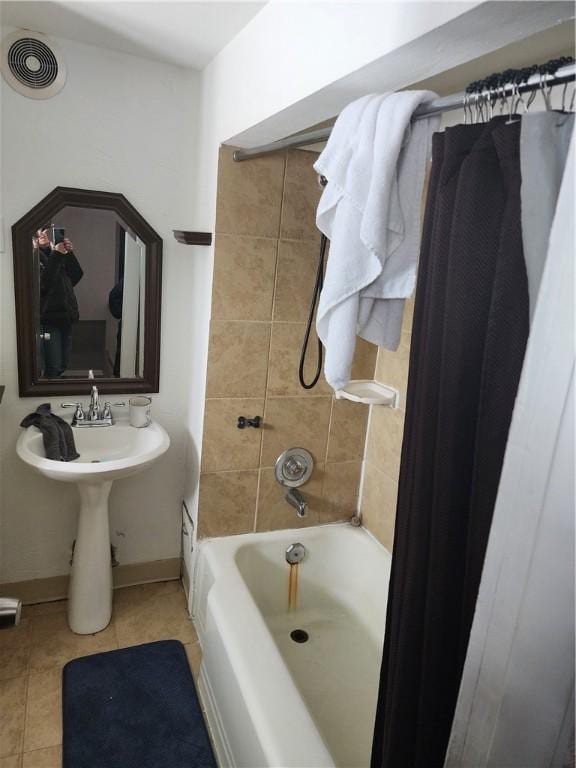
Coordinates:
445 104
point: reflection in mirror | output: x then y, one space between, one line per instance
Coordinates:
89 305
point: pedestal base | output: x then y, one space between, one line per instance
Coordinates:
90 590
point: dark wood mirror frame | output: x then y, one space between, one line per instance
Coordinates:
29 383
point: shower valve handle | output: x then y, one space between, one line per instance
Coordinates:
244 422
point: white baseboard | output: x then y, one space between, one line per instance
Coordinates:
56 587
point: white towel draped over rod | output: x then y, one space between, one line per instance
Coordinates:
564 74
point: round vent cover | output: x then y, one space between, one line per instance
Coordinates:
32 65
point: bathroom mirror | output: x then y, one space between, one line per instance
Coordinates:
87 271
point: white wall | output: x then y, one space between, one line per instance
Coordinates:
121 124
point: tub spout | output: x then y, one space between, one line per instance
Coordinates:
294 498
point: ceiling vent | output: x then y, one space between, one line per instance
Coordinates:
32 64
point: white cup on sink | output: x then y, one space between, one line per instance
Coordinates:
140 411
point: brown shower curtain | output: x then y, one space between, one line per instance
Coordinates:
468 342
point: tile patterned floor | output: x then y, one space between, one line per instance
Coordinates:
33 654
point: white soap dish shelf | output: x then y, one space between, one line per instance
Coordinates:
369 392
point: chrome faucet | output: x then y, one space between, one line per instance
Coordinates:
295 499
94 410
96 417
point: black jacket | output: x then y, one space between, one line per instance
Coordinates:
115 298
59 273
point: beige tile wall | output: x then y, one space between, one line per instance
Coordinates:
384 442
265 261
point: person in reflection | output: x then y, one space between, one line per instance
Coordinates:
60 271
115 299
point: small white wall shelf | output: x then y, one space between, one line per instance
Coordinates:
369 392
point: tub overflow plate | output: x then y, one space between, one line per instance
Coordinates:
294 467
295 553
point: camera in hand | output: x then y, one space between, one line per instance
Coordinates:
58 234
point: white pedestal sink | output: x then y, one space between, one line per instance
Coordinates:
106 454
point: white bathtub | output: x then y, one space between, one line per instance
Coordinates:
271 701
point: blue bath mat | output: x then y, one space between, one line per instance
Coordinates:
134 708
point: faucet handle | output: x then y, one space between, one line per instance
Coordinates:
107 410
244 421
78 413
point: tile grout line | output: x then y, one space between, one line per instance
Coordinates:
271 466
272 397
271 321
269 237
284 177
330 419
365 462
27 686
37 749
324 475
261 452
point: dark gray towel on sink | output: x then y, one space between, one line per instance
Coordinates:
57 434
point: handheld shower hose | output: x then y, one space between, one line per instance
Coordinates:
316 295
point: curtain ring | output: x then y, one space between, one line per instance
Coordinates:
545 94
530 100
482 104
503 98
519 98
564 92
491 102
511 108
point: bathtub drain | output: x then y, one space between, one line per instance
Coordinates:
299 636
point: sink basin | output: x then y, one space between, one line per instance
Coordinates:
106 454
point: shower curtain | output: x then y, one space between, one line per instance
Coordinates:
469 335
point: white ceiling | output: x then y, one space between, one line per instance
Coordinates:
185 33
